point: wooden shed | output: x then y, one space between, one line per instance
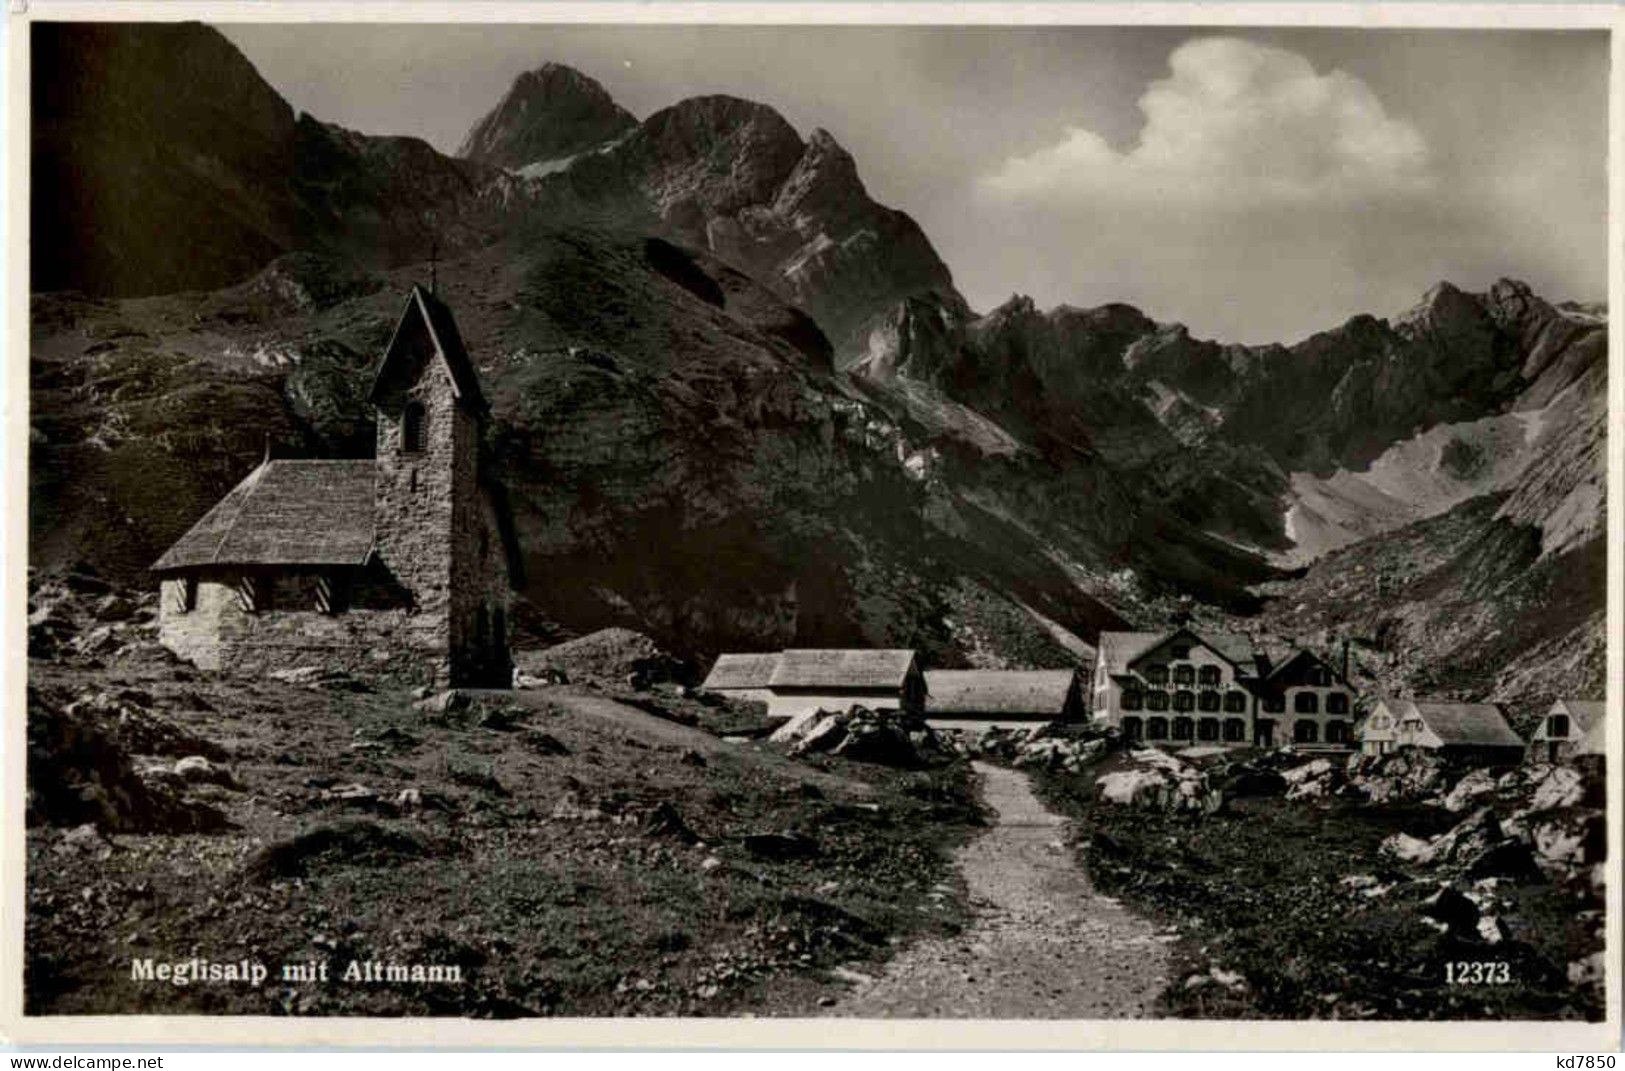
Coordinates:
978 698
833 679
1563 732
1477 732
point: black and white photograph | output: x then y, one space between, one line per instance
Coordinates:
576 520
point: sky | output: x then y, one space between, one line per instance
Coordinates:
1255 185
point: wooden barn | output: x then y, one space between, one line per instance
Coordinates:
806 680
977 698
1563 732
1477 732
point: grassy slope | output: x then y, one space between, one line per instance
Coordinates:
1257 890
548 912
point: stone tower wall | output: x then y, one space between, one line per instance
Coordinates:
416 497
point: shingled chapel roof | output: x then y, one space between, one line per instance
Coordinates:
285 513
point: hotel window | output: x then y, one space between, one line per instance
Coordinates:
1133 699
1156 674
1185 674
1184 728
1156 701
1184 700
1210 675
1305 732
1337 703
1207 729
1235 702
1235 730
1208 701
1306 703
1156 729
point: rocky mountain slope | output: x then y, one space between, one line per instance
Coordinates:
1346 434
549 115
162 161
733 178
738 403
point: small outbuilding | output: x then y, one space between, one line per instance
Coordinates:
1477 732
977 698
1564 731
806 680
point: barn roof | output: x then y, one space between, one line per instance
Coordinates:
423 307
1584 712
1466 723
741 671
842 668
285 513
982 691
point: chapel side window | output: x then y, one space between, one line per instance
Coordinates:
414 428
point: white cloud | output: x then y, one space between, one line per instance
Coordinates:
1235 125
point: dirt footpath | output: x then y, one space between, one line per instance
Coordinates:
1041 944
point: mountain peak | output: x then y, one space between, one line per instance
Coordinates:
549 113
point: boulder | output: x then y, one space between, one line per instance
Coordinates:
1403 776
1467 838
1313 780
1588 972
883 741
1448 906
1571 838
1406 848
111 608
1561 787
1509 858
823 734
1132 788
1244 779
195 769
1469 791
796 728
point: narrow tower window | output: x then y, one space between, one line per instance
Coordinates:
414 428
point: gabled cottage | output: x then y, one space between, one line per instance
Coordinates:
1562 733
397 565
805 680
1477 732
980 697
